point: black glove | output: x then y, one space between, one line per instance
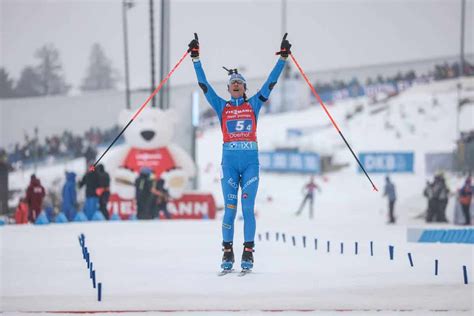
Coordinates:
194 47
284 47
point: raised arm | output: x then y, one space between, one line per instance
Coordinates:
264 93
214 100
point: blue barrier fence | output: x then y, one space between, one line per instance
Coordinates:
464 236
459 236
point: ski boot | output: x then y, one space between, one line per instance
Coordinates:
247 256
228 257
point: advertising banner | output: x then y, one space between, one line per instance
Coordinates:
296 162
387 162
189 206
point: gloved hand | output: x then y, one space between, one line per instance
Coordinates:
284 47
194 47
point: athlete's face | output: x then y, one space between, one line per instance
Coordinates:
236 88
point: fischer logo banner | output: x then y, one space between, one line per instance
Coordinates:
189 206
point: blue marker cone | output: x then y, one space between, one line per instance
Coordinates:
42 219
98 216
80 217
60 218
115 217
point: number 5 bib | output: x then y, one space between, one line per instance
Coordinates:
238 123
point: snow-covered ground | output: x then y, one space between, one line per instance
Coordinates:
172 266
163 266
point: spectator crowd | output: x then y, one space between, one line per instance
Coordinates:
151 198
437 194
355 88
66 145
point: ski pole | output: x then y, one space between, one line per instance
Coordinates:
330 117
92 167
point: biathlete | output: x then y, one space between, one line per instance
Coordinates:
238 118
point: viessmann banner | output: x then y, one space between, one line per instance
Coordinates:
387 162
189 206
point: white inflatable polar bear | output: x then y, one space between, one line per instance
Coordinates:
148 143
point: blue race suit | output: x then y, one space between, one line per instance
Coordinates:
240 166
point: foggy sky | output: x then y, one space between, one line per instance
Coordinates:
325 34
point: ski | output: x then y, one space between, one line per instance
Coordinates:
225 272
244 272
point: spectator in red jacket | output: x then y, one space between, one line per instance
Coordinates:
34 197
21 214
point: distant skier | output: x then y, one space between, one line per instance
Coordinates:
390 193
465 198
240 166
308 190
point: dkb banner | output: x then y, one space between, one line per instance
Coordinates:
387 162
290 162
